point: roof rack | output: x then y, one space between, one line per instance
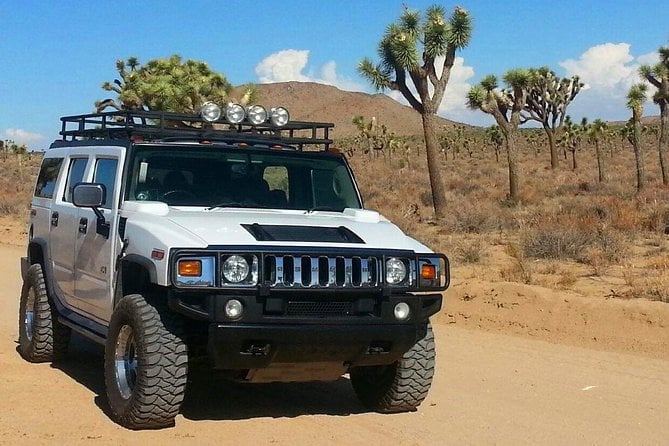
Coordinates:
167 126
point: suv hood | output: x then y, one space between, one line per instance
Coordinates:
226 226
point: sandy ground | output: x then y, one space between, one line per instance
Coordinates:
595 374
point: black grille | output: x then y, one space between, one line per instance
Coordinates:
319 309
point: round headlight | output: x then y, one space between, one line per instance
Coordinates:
396 271
279 116
402 311
234 113
233 309
257 114
235 269
210 112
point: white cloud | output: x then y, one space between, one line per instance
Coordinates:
608 70
289 65
20 136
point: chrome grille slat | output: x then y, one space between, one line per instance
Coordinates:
286 271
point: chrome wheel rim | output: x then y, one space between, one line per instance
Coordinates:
125 360
29 317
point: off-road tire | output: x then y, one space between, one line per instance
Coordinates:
41 338
158 386
401 386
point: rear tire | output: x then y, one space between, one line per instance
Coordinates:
401 386
41 337
146 364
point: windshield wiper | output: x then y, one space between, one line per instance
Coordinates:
325 209
232 204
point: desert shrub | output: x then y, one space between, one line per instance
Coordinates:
470 251
520 270
557 243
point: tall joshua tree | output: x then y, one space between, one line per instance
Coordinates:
420 52
635 99
597 131
505 106
658 76
547 101
572 135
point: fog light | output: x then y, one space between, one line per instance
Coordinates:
402 311
233 309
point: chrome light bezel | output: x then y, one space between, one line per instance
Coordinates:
207 277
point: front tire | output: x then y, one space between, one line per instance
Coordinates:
401 386
41 337
146 364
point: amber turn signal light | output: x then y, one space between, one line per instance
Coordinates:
428 272
190 268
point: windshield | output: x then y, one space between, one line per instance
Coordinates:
215 176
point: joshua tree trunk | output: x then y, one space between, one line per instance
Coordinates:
513 168
601 167
573 158
662 143
553 147
433 166
638 154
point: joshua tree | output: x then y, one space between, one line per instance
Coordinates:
658 76
422 51
635 98
505 106
168 85
494 135
547 101
571 137
597 132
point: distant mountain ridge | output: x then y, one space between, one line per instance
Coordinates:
308 101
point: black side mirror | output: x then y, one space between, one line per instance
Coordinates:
92 195
89 195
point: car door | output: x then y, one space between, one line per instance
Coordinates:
95 251
63 229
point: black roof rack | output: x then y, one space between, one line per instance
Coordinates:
167 126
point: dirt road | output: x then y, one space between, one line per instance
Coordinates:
489 388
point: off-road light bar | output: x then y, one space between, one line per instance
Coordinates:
210 111
257 115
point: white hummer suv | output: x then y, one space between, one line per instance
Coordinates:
169 237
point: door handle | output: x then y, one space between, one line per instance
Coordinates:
54 219
83 225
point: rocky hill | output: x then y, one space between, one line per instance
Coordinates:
317 102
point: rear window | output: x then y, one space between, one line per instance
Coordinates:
46 180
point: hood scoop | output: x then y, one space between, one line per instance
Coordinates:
318 234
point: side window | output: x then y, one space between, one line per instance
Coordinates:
105 173
46 180
279 190
75 175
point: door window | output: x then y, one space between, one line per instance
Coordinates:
105 173
75 175
46 180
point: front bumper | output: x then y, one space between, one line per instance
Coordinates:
254 346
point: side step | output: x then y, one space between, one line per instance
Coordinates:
93 336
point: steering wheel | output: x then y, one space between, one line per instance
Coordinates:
177 196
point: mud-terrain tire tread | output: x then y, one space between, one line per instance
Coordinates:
399 387
162 358
50 338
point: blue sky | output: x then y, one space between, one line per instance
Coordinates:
55 55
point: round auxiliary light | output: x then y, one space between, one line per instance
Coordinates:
257 114
234 309
210 111
279 116
235 269
402 311
234 113
396 271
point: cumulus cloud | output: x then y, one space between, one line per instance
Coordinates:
608 71
20 136
289 65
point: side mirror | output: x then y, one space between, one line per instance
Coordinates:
89 195
92 195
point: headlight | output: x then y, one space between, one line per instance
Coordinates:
210 112
235 269
396 271
239 270
279 116
195 271
257 114
234 113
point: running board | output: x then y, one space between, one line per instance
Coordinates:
82 331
